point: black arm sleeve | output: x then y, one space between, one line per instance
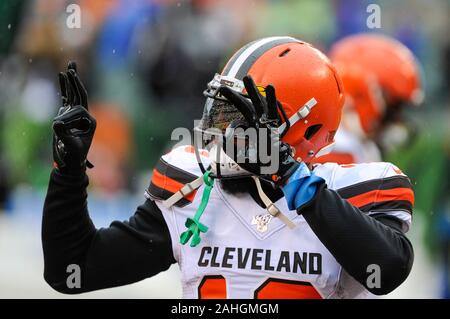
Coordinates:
123 253
357 240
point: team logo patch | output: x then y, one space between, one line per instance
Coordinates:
262 222
261 90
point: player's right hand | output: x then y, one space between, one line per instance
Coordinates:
260 113
74 126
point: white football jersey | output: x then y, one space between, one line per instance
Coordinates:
248 254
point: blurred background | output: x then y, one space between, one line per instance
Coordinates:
145 64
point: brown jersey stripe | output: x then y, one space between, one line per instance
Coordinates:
382 196
171 185
386 206
375 184
174 172
158 193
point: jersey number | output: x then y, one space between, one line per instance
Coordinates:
215 287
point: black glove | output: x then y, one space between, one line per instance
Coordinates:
261 114
73 127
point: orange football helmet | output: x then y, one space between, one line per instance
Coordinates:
379 74
306 84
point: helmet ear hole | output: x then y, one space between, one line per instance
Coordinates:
312 130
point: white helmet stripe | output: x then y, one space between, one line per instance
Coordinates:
245 54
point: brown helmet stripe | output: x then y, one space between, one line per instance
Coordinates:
242 61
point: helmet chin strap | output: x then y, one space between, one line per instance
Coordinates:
325 150
270 206
221 161
193 225
300 114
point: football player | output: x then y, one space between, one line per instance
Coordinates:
238 223
381 79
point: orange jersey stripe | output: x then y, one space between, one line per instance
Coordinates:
382 196
169 184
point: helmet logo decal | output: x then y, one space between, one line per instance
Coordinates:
261 90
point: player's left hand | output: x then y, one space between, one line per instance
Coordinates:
267 157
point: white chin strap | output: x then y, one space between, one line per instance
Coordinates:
183 192
300 114
226 164
325 150
270 206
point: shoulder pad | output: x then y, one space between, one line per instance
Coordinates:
372 187
172 172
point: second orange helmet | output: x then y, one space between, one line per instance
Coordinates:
377 71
